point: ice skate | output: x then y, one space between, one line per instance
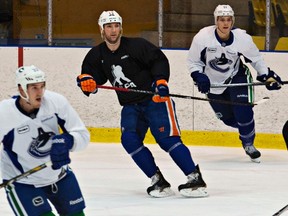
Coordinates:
253 153
160 187
195 186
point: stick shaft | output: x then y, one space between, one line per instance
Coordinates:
285 208
241 84
175 95
25 174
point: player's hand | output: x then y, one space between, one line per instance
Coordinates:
272 80
87 84
162 91
61 145
202 81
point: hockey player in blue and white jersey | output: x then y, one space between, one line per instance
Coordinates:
135 63
214 57
29 133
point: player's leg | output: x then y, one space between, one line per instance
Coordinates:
244 115
165 129
27 200
134 126
66 195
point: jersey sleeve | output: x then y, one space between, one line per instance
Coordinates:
253 56
70 122
92 65
152 58
194 59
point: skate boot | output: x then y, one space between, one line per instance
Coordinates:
160 187
253 153
195 186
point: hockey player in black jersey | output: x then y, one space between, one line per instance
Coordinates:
135 63
214 56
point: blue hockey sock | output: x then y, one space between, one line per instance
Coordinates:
179 153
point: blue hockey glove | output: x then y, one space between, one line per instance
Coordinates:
162 90
202 81
273 81
61 145
87 84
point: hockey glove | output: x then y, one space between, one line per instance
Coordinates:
202 81
162 91
273 81
61 145
87 84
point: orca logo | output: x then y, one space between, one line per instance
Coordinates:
37 147
219 64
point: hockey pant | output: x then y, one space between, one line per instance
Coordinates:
162 121
65 195
237 116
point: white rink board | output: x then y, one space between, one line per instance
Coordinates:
102 110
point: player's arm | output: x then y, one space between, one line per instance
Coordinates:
264 74
74 137
91 72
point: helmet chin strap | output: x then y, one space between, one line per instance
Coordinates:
26 98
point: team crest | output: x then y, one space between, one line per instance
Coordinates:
221 64
38 146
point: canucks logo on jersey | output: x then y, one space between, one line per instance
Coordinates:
218 62
38 146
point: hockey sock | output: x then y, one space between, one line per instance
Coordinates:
139 153
179 153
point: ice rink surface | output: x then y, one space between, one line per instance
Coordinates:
112 184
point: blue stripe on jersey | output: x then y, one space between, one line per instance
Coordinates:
8 141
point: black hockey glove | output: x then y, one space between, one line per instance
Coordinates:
61 145
272 80
202 81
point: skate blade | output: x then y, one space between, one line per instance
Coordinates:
160 194
194 193
256 160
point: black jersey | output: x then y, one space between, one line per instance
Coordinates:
136 64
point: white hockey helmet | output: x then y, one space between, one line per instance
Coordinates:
109 17
27 75
224 10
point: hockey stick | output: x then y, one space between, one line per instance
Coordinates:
285 208
183 96
241 84
25 174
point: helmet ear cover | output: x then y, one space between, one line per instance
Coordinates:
223 10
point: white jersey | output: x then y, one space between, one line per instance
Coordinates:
220 61
26 141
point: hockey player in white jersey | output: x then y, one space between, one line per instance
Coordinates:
214 57
29 134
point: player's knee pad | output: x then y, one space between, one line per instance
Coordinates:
170 143
131 141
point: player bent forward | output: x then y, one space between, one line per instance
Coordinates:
29 132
